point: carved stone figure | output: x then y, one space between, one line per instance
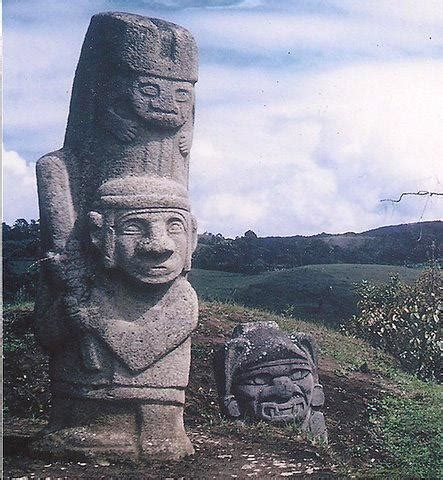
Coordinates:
114 309
265 374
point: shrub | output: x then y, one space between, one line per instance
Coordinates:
404 320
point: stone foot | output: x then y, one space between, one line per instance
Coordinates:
162 433
84 430
83 443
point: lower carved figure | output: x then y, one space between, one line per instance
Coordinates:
265 374
118 334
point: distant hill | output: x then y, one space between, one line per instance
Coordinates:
315 292
407 244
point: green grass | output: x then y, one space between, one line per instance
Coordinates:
409 427
405 421
314 292
219 286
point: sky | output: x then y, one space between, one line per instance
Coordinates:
308 113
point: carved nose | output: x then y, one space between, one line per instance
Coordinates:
155 246
282 389
164 103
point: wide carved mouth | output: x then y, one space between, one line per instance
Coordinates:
282 412
150 269
163 118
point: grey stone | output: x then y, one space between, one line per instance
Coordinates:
263 373
114 309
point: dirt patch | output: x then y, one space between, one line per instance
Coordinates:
223 449
221 452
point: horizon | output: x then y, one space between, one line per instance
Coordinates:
308 112
277 236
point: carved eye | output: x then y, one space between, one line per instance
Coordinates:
176 226
149 90
299 374
182 95
131 229
258 380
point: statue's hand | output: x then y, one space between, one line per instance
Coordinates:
184 144
128 130
123 128
231 406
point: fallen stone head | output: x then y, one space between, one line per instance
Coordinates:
265 374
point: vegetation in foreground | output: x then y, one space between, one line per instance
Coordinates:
381 421
404 320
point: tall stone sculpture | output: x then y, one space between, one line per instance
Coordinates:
265 374
114 309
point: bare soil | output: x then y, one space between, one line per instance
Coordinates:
223 449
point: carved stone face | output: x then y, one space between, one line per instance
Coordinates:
277 392
151 245
162 102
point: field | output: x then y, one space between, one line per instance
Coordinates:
321 293
375 413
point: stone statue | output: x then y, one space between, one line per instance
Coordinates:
265 374
114 309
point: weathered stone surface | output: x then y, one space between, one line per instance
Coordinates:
114 308
265 374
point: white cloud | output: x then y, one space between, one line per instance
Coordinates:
284 144
322 151
412 11
337 35
218 210
19 188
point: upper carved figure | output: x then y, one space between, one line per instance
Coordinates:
133 96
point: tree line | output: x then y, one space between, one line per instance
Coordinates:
408 244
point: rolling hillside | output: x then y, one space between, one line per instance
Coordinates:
311 292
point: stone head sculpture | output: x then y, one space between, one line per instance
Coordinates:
114 309
161 91
265 374
144 228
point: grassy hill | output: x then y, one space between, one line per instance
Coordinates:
382 422
315 292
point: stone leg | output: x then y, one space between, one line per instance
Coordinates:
162 433
85 429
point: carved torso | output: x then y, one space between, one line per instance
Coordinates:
128 342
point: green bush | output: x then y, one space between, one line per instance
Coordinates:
404 320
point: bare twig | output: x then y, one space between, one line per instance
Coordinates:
421 193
